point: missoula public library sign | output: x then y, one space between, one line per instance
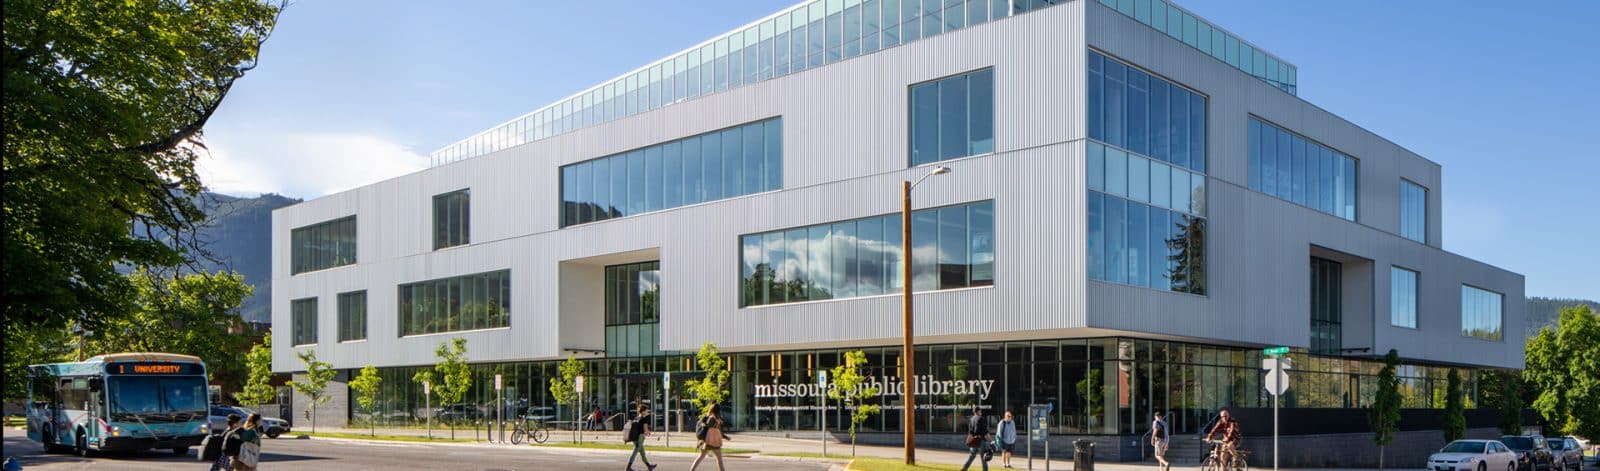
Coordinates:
1098 386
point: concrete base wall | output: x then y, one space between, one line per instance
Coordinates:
332 413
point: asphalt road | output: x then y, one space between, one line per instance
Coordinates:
329 454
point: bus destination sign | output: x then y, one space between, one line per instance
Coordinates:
151 368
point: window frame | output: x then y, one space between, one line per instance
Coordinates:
344 317
1416 298
910 139
297 318
464 218
1501 311
1406 184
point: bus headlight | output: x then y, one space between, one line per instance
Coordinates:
116 431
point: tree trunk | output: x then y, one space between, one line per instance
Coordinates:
313 416
1380 457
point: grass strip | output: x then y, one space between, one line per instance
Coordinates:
629 447
882 464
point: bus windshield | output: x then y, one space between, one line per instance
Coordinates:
157 398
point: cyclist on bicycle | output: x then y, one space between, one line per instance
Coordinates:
1231 433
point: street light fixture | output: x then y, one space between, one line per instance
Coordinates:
907 374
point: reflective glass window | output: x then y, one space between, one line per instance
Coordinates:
323 245
1413 211
452 214
1290 167
952 117
1481 313
352 316
468 302
303 321
1402 297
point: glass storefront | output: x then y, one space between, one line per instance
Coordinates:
1098 385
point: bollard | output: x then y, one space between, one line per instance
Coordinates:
1082 455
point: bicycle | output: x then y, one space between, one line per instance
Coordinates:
527 428
1213 459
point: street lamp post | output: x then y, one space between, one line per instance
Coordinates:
907 355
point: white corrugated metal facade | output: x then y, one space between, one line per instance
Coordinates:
845 150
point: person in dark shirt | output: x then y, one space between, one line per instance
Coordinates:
1231 433
977 435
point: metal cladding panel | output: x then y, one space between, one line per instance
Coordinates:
1258 246
845 154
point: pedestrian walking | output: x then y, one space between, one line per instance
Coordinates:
709 431
977 434
637 431
1007 438
1159 434
249 456
224 459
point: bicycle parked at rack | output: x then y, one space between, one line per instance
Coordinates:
526 428
1213 460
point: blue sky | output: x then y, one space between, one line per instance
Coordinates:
1504 97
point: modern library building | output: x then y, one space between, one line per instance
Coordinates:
1136 202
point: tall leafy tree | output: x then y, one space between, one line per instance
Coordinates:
103 110
563 387
1385 414
711 390
849 386
194 314
314 387
366 387
1502 391
27 345
1455 420
258 388
454 374
1563 366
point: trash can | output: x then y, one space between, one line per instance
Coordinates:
1082 455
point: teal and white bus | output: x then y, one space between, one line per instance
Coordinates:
119 402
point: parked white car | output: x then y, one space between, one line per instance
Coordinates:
1473 455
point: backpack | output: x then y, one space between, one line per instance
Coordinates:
1159 430
700 429
635 430
210 448
231 443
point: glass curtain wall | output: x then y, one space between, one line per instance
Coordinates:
353 316
1221 45
1100 386
303 321
953 248
469 302
633 310
732 162
1413 211
323 245
1295 169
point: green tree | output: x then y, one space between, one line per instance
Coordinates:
194 314
104 105
849 388
366 388
1090 388
318 374
1502 391
1385 414
1563 367
1455 420
258 377
30 345
454 374
563 388
711 390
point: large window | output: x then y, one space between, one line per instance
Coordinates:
1326 306
353 316
633 310
322 245
1413 211
952 117
733 162
1145 114
1402 297
1292 168
953 247
303 321
1480 313
452 219
1142 245
470 302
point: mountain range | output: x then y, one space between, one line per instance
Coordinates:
238 234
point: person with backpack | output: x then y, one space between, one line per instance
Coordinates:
217 446
1006 438
1159 434
709 432
977 434
638 429
248 454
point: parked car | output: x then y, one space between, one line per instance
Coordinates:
1567 452
1473 455
272 427
459 413
1533 454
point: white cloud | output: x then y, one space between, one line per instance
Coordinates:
302 164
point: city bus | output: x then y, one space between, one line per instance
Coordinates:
119 402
